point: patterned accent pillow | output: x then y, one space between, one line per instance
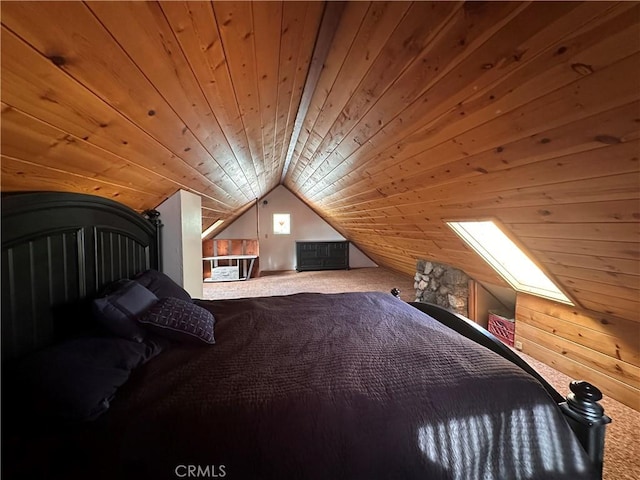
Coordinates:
179 320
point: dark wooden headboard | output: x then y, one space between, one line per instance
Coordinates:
62 248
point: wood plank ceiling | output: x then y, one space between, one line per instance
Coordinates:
386 118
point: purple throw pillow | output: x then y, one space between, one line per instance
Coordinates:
179 320
76 380
118 310
161 285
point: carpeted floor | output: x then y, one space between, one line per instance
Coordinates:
328 281
622 450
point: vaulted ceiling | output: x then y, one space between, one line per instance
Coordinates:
386 118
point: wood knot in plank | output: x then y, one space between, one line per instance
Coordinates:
582 68
607 139
57 60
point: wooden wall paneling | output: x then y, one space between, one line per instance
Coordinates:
609 231
623 250
549 109
56 29
423 69
609 212
607 277
604 264
438 102
605 212
236 26
608 385
453 253
541 74
381 20
397 231
207 251
16 174
574 167
597 302
424 205
26 138
349 25
499 101
601 349
412 36
617 339
581 167
213 247
301 26
418 206
615 292
194 25
141 29
37 87
603 40
267 28
579 136
613 187
423 112
412 250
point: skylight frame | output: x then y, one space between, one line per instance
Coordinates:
211 228
547 287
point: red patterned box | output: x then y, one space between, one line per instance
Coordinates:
503 328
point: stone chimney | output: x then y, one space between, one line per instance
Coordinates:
442 285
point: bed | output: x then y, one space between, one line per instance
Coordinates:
351 385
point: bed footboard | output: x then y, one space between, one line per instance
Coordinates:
587 419
581 408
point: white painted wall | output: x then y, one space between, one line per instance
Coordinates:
278 252
181 215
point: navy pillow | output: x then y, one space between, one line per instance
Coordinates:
77 379
118 310
161 285
180 320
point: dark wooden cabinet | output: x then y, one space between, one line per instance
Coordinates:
333 255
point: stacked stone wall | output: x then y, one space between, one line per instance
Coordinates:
442 285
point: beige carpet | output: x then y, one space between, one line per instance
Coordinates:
622 451
329 281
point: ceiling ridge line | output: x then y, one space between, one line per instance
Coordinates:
329 90
427 46
328 27
288 121
235 93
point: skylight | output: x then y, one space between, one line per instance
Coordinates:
508 259
212 228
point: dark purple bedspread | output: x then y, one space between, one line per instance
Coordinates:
358 386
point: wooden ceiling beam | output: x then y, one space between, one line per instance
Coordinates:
330 21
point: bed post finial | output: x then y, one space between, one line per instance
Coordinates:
395 292
154 217
587 419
